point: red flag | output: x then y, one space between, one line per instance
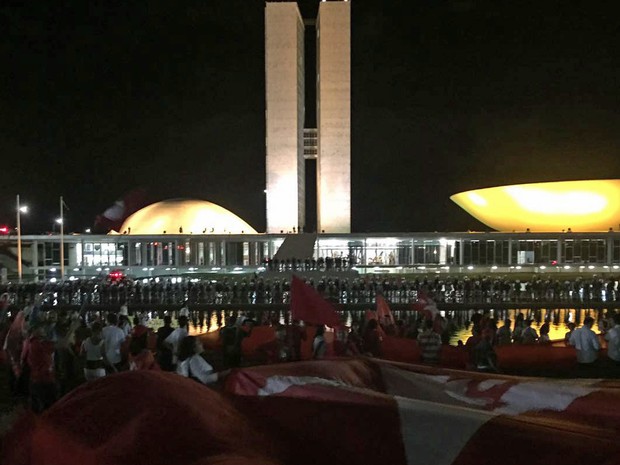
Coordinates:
137 432
308 305
425 305
370 315
383 310
112 219
422 415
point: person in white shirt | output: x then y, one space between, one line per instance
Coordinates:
123 320
192 364
319 346
613 340
175 338
113 338
93 349
586 342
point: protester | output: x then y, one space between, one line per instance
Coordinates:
295 334
504 334
140 357
517 334
484 357
586 343
164 353
319 345
93 349
175 338
123 320
113 338
529 334
430 343
38 353
571 328
544 334
18 373
613 340
372 339
232 335
192 364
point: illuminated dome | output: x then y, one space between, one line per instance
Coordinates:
193 216
582 206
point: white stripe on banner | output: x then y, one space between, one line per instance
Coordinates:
434 433
279 384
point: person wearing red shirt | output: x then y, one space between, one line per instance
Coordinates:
38 353
140 357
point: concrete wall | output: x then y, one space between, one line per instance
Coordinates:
334 116
284 78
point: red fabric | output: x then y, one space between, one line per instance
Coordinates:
453 357
348 404
309 306
399 349
518 356
137 417
383 310
260 335
346 411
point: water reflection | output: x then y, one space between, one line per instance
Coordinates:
209 321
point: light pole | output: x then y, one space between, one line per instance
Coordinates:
20 209
60 221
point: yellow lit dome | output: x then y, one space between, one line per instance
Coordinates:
582 206
188 216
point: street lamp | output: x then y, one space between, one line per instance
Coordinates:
20 209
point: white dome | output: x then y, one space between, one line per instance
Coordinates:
193 216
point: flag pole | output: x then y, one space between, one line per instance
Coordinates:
62 241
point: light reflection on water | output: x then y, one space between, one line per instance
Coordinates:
203 322
558 320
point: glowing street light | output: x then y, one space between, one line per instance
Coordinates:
19 210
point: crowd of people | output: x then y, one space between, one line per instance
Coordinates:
48 352
343 290
486 336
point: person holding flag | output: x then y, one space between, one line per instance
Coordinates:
309 306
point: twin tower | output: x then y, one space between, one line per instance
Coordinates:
288 142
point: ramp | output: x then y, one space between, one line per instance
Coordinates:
300 246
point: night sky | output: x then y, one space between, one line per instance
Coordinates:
97 98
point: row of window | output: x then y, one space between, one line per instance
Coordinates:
365 253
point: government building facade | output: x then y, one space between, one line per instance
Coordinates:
142 256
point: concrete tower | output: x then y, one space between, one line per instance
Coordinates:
334 117
284 78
